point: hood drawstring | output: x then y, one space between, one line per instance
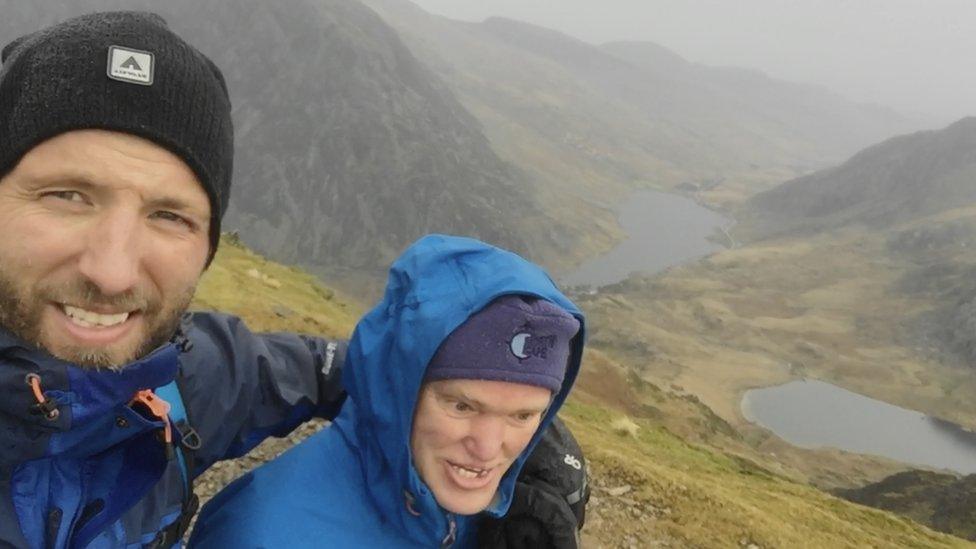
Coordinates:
451 536
49 408
409 500
159 408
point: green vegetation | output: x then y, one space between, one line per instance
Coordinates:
273 297
688 495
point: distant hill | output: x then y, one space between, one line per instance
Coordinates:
916 193
904 178
633 112
943 502
348 147
822 126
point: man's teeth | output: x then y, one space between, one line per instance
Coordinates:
464 472
88 319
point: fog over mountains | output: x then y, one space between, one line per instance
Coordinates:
631 112
354 138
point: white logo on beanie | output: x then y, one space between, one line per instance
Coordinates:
525 345
133 66
518 345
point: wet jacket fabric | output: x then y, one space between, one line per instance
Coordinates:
98 474
354 483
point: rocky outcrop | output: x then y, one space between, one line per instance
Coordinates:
943 502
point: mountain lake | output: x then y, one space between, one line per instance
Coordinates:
666 229
812 414
663 230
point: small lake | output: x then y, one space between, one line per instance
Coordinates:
813 414
663 230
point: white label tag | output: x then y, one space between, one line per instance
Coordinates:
134 66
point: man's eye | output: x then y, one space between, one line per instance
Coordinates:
462 407
68 196
172 217
526 416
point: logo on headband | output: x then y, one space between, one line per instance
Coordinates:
132 66
524 345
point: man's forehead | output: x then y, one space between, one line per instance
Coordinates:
107 146
106 158
496 395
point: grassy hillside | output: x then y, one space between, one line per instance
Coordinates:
270 296
658 475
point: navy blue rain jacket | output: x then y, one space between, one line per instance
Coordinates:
98 475
354 483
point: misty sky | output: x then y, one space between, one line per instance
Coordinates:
916 56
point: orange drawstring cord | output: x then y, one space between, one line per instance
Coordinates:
47 407
159 408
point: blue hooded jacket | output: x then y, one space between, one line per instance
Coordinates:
97 474
354 483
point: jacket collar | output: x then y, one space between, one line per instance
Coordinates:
84 397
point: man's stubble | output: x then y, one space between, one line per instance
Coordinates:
22 309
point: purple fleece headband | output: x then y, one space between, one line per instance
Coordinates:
518 339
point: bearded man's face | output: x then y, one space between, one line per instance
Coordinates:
104 237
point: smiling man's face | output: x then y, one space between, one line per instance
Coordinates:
104 237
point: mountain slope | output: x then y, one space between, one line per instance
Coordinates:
915 194
617 115
829 126
902 179
348 147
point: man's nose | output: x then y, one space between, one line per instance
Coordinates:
486 438
113 253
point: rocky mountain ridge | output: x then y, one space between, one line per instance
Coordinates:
902 179
634 113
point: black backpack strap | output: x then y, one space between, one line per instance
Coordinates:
549 503
173 534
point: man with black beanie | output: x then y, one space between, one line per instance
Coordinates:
116 153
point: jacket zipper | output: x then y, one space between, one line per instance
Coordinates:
54 517
79 509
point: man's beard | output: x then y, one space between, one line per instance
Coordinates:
22 310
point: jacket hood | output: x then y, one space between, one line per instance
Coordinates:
432 289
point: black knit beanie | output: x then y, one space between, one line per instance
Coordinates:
121 71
